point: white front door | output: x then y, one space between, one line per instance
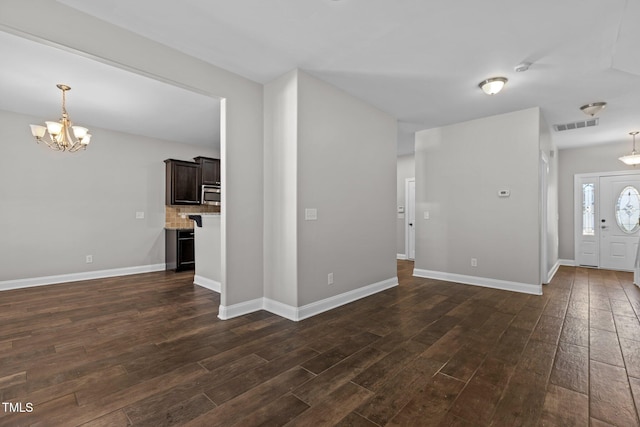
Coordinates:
411 218
607 220
619 221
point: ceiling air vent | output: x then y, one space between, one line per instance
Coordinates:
576 125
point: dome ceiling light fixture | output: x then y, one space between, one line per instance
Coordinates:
493 85
593 108
633 158
59 133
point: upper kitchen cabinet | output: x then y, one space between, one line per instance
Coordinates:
182 187
209 170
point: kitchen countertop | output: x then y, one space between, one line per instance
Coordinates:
197 218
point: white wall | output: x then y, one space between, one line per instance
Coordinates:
207 252
597 158
280 170
242 152
59 207
406 169
347 171
459 170
551 153
328 151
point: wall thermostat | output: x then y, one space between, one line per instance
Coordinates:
504 193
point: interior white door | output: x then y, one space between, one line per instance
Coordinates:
619 221
411 219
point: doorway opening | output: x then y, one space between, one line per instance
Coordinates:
410 218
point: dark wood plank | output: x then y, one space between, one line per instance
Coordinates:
571 368
315 390
148 349
429 403
277 413
234 410
563 407
332 410
220 393
575 331
399 390
611 399
605 348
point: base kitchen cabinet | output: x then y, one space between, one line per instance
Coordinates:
179 249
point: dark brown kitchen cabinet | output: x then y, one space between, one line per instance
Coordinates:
182 186
209 170
179 249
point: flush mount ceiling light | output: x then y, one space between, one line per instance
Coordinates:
59 133
493 85
633 158
593 108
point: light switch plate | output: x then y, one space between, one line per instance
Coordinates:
426 214
311 214
139 215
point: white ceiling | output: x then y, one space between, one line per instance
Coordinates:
101 95
419 60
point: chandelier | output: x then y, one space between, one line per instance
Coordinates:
633 158
59 133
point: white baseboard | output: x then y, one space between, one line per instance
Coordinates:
75 277
567 262
553 271
308 310
283 310
330 303
207 283
235 310
506 285
401 256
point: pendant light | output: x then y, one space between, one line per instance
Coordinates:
633 158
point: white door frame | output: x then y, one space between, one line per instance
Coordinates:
577 207
407 217
544 220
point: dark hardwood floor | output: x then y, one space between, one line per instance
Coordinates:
149 350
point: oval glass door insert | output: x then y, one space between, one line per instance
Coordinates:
628 210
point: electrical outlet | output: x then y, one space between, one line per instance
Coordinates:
139 215
474 262
330 278
89 259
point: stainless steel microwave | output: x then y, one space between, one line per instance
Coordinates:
211 195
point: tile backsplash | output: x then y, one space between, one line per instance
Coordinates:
173 215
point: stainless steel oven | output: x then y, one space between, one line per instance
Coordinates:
210 195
